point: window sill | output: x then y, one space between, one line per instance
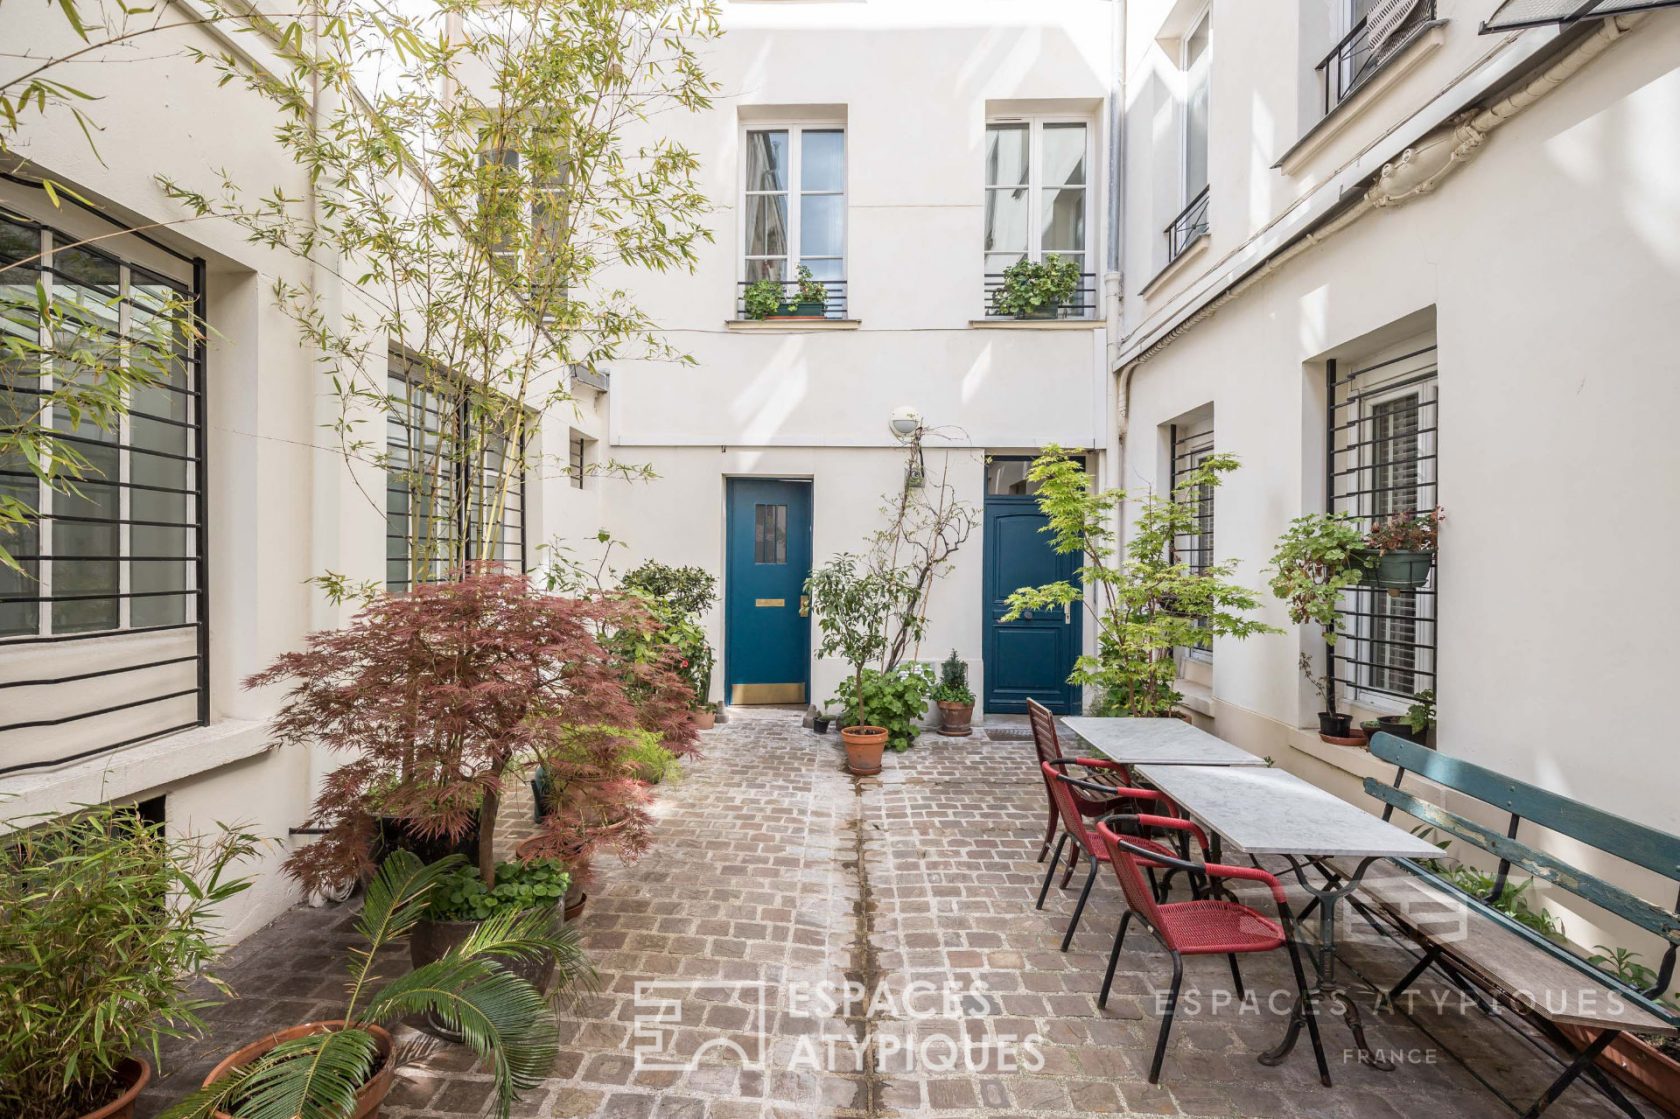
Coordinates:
1423 41
134 769
1356 761
1035 324
1177 264
1197 697
789 326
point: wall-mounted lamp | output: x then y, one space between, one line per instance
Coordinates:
905 422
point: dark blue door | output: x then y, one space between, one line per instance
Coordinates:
767 635
1031 656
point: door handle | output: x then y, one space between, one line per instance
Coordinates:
804 606
1067 613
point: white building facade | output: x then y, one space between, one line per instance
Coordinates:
1491 316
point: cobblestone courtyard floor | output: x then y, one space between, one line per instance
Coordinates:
777 878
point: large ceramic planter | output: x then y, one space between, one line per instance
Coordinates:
956 719
1399 728
1638 1064
392 833
432 940
368 1097
864 745
133 1074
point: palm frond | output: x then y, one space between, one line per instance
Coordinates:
501 1017
395 902
529 934
313 1077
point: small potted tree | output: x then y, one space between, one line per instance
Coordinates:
852 610
1315 561
1399 552
1033 289
1414 726
956 701
344 1067
106 922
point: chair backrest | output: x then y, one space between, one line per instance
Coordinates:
1133 884
1043 731
1062 792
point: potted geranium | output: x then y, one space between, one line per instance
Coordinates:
104 921
1400 551
809 300
1036 289
852 608
956 701
1317 559
445 695
342 1068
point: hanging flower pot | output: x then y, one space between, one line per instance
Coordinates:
1394 571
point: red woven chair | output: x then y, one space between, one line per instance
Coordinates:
1049 748
1203 927
1074 809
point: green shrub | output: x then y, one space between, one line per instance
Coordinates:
953 681
1031 286
461 895
896 700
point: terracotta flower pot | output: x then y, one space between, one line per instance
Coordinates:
864 745
133 1074
368 1097
704 719
1638 1064
956 719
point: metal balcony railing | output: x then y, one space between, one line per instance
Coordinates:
1191 223
1080 304
1357 57
834 303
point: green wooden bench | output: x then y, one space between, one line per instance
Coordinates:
1475 945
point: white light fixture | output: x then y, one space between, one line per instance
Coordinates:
905 422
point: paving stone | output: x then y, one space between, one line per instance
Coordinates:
773 870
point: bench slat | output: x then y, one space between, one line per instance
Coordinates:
1545 867
1497 959
1647 847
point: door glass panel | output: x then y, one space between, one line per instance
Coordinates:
1008 478
822 220
767 160
823 161
769 533
1006 155
1064 155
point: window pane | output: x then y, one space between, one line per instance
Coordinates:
822 225
18 384
823 161
830 268
1196 140
767 160
997 262
1006 155
1064 220
1394 454
1064 155
766 270
1006 220
767 218
1008 477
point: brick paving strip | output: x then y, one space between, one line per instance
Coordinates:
774 871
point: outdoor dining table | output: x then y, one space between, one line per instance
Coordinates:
1156 742
1272 812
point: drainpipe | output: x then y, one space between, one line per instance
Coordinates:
1112 284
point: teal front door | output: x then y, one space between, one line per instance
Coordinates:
1032 656
767 638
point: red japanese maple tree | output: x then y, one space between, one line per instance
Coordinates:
443 695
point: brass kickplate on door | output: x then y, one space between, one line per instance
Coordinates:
769 602
768 693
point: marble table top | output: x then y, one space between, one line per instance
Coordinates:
1273 812
1158 741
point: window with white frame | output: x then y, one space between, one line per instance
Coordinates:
1194 62
1383 421
577 459
1190 443
102 635
793 207
1037 191
451 470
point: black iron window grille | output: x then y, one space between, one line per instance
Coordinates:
1190 446
832 304
1381 463
577 451
444 480
103 641
1191 223
1375 39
